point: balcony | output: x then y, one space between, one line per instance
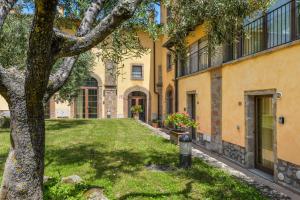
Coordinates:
196 61
272 29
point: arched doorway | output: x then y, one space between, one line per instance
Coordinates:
137 98
169 100
87 102
139 92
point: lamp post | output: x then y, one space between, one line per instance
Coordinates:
185 146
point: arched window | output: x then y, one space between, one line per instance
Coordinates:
87 100
90 82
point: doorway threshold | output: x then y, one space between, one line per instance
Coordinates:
262 174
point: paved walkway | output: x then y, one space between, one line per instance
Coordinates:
266 187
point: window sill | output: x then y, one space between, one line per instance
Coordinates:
137 79
199 72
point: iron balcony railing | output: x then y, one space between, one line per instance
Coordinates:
196 61
274 28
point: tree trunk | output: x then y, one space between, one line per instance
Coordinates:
24 168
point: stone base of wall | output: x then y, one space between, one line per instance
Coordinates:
288 174
202 140
234 152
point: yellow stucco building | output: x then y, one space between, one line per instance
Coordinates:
105 95
244 96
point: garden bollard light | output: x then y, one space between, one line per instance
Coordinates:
185 145
108 114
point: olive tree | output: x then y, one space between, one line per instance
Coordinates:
27 89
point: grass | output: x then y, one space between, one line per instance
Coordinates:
112 154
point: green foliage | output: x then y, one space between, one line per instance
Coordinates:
4 122
123 44
54 189
13 52
136 109
180 121
223 19
82 70
155 120
14 41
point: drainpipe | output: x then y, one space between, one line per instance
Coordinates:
176 83
154 82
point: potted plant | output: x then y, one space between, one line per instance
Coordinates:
136 110
155 123
180 123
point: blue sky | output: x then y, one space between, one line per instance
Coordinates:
157 8
29 10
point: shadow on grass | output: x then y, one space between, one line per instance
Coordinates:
3 157
107 164
4 130
112 165
54 125
185 193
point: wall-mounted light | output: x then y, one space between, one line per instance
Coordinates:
278 95
281 120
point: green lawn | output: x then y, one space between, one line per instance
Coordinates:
113 154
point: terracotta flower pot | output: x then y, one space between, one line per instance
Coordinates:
155 124
136 116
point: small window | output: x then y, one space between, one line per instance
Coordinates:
169 61
137 72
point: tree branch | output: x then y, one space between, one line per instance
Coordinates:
122 12
11 82
58 79
3 89
5 7
39 56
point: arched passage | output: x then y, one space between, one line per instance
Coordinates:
137 96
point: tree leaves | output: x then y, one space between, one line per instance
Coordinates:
223 18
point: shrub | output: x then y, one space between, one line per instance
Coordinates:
180 121
5 122
155 120
136 109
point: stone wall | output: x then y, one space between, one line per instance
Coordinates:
110 102
110 91
203 140
234 152
216 110
288 174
